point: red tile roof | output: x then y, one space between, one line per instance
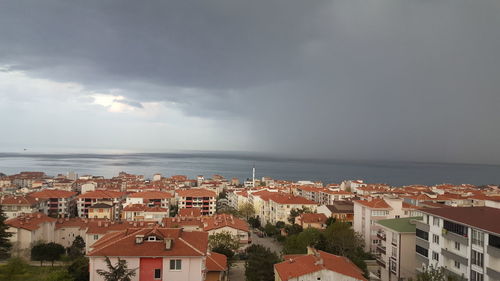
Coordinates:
53 193
216 262
151 195
189 212
182 222
29 221
375 203
99 194
307 264
123 243
282 198
313 218
196 192
479 217
224 220
18 200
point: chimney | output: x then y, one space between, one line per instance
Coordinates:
168 243
139 239
99 223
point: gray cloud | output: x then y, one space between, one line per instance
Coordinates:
412 80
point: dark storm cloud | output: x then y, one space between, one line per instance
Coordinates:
353 79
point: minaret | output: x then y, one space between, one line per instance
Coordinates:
253 176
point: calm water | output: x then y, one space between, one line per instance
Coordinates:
240 166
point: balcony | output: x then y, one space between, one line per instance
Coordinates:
453 256
381 249
455 237
380 260
493 251
493 274
381 236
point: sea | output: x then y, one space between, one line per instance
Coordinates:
237 165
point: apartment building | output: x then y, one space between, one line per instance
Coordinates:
14 206
150 198
367 212
140 212
397 240
465 241
197 198
113 198
156 253
60 203
278 206
27 229
101 211
340 210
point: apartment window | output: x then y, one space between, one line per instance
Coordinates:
494 241
455 228
394 252
96 237
457 264
477 238
422 234
380 213
157 273
477 258
423 251
435 238
435 256
394 238
476 276
435 221
175 264
457 246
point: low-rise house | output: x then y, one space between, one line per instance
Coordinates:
197 198
317 265
307 220
14 206
397 240
186 223
156 253
28 229
227 223
340 210
101 211
216 267
60 203
140 212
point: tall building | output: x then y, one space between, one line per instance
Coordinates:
465 241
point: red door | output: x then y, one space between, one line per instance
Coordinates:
151 269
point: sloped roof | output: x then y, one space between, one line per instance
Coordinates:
123 243
99 194
375 203
196 192
151 195
224 220
307 264
485 218
313 218
189 212
18 200
29 221
216 262
53 193
143 208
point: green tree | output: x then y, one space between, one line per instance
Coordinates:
118 272
270 229
330 221
38 253
79 269
297 244
224 243
5 244
174 209
431 273
77 248
292 229
280 225
259 265
297 212
254 222
222 195
246 210
53 252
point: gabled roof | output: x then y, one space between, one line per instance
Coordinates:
307 264
313 218
189 212
53 193
346 207
18 200
123 243
29 221
100 194
282 198
224 220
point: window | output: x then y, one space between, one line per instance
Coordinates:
476 276
435 221
175 264
422 234
435 256
435 238
455 228
494 241
423 251
152 238
457 246
96 237
457 264
394 252
477 238
380 213
477 258
157 273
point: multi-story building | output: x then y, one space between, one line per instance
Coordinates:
367 212
101 211
197 198
227 223
60 203
14 206
113 198
140 212
150 198
156 253
397 240
27 229
465 241
279 206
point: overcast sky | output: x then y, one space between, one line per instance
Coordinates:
353 79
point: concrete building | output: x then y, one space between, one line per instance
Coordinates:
27 229
397 240
14 206
140 212
465 241
340 210
60 203
307 220
113 198
101 211
197 198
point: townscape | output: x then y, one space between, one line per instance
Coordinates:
177 228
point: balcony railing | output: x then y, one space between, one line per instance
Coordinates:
381 236
381 249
